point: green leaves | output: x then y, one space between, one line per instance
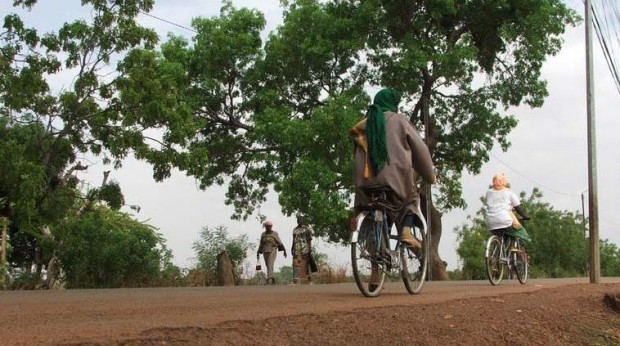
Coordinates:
226 107
111 193
43 129
318 180
109 249
234 110
213 241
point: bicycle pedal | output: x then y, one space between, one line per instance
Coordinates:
383 258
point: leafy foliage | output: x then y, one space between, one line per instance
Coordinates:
106 249
112 194
276 114
610 259
30 196
45 131
213 241
471 246
284 275
227 107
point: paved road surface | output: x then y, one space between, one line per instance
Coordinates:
54 316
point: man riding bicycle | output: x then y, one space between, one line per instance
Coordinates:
390 153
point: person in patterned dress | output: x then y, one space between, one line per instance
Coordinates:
301 250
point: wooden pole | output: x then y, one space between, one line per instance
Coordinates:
595 261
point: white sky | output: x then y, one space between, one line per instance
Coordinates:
549 146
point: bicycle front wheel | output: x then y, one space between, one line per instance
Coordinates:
368 269
493 261
414 265
521 262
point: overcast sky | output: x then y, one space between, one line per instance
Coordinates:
549 146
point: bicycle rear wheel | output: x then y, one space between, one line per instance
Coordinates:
368 269
494 264
414 265
520 263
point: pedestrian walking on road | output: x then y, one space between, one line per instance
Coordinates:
303 261
269 246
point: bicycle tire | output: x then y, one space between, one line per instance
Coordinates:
364 258
414 265
493 262
521 264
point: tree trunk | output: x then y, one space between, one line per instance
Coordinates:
52 282
438 266
224 271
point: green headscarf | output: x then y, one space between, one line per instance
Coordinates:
385 100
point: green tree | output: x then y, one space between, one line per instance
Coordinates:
610 258
106 248
461 64
558 248
45 131
284 275
29 199
471 246
277 114
213 241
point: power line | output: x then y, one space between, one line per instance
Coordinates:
169 22
606 221
533 181
603 33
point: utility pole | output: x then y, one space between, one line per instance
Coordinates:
585 230
595 259
583 214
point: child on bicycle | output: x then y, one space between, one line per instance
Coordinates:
501 203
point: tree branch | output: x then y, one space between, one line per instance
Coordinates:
77 167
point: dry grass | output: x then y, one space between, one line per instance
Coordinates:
331 274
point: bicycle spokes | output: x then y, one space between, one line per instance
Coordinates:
494 260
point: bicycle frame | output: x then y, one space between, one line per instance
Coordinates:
506 258
383 256
380 230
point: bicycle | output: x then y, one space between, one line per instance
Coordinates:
384 259
504 251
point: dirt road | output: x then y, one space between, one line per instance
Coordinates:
212 315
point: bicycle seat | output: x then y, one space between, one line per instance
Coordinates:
377 191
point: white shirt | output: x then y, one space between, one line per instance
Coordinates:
499 206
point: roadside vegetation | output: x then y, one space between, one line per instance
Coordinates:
231 107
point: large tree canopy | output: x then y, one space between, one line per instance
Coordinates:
228 108
276 114
48 133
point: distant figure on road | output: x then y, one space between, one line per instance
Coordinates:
501 203
269 246
301 250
